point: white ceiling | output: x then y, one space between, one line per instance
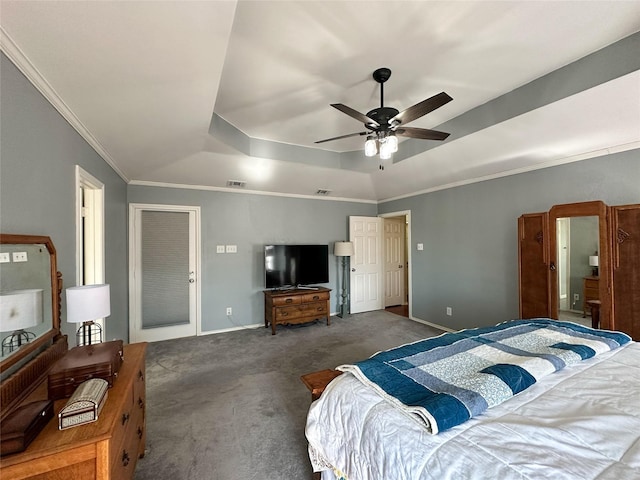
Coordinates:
141 80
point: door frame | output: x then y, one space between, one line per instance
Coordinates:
135 262
90 240
407 253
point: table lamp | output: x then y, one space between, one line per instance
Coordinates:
85 304
593 262
19 310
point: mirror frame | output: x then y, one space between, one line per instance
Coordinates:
39 355
56 286
584 209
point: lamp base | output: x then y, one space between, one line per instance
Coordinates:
89 333
16 340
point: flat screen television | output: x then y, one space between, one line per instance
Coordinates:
289 266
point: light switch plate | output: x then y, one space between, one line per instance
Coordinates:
232 249
219 248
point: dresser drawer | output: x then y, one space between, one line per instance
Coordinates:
122 427
315 297
318 308
287 300
288 313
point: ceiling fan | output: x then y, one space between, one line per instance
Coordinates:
384 123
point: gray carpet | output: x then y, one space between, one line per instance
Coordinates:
231 406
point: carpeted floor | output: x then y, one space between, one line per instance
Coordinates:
231 406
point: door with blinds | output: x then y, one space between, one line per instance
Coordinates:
164 272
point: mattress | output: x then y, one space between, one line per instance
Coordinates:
581 422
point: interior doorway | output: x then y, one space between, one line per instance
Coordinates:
89 231
369 284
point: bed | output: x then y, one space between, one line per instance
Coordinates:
579 419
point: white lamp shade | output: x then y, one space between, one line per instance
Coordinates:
343 249
593 260
88 302
20 309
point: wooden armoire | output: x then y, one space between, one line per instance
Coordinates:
618 276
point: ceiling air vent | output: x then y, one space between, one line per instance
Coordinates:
322 191
236 183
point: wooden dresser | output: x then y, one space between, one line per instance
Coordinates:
591 288
295 306
103 450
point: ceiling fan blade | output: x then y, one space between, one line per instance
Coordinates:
422 108
343 136
421 133
355 114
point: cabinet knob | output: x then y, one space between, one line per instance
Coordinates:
552 267
125 458
125 418
140 433
140 402
140 375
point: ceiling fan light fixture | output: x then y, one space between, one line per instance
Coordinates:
385 150
392 142
370 147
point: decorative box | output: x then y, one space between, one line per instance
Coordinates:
85 404
101 360
22 425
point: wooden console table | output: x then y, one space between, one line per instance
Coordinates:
103 450
295 306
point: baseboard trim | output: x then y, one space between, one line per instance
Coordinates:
434 325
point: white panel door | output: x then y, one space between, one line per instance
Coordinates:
394 261
366 264
164 272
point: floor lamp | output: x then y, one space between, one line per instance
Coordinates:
344 250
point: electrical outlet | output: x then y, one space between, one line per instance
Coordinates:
4 257
19 256
449 311
229 311
576 297
219 248
232 249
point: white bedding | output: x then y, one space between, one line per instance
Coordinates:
581 423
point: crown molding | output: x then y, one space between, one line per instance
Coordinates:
22 62
145 183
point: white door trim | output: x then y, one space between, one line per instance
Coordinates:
90 240
135 262
407 214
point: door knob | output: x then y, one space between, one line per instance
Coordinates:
353 269
399 266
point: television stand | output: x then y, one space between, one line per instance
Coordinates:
290 307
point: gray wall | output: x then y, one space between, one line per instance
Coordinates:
251 221
470 257
38 154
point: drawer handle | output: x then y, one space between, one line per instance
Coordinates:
285 314
288 300
320 309
125 458
125 418
316 297
140 375
140 402
140 433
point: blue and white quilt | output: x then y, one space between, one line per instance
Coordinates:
448 379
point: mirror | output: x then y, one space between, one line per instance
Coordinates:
29 299
579 256
577 249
